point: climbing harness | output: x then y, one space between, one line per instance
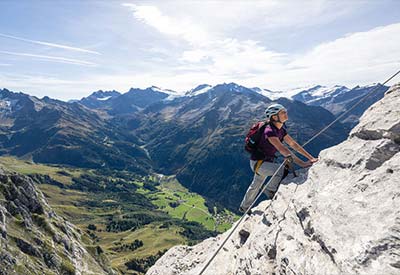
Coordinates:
257 166
288 167
284 163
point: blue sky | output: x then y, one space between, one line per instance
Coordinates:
68 49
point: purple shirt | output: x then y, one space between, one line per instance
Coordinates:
265 146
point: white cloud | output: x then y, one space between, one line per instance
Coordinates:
194 56
48 44
221 19
180 27
231 56
223 55
288 14
377 46
358 58
52 58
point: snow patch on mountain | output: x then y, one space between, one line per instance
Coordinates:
201 89
268 93
5 105
306 92
104 98
165 91
319 92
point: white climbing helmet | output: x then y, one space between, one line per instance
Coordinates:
273 110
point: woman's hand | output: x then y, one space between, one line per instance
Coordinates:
309 162
313 160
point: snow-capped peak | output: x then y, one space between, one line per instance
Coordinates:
103 95
322 91
292 92
160 90
318 92
309 92
201 89
268 93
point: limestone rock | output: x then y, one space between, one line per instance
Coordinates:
27 248
341 216
3 229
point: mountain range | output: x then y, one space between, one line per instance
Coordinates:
197 135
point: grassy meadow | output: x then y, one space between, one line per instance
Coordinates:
134 219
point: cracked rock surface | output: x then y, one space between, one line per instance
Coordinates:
342 216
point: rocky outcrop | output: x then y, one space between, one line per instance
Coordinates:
342 216
33 238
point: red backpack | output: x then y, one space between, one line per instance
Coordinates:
253 137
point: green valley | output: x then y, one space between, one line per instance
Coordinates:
130 218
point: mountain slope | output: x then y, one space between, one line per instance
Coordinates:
35 240
339 217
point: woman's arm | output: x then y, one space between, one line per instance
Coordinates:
292 143
286 152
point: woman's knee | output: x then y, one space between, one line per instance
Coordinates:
258 179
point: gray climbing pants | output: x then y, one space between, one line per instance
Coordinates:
265 170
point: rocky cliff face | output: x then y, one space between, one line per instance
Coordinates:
35 240
342 216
